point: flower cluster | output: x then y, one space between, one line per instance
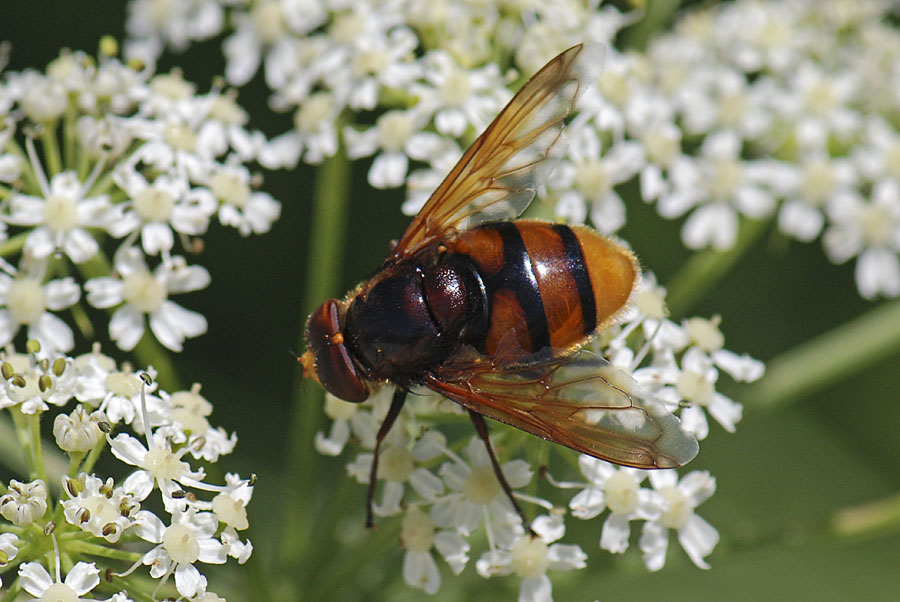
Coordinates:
164 513
446 496
113 174
754 110
747 110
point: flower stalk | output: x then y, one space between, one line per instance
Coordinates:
824 360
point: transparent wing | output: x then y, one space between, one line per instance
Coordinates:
499 174
580 401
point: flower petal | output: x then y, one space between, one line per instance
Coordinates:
83 577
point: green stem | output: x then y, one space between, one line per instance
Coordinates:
876 517
14 245
38 449
704 269
103 551
51 150
31 182
815 364
69 139
322 279
21 428
11 451
74 461
93 456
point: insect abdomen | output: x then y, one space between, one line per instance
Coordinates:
551 285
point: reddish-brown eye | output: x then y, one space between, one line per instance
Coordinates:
333 366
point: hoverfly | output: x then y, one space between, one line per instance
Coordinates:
494 314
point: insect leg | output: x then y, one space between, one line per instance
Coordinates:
393 412
482 430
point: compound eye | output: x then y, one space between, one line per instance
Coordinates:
333 365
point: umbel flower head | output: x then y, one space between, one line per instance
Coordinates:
158 509
114 173
745 111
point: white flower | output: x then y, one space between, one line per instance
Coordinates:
396 134
720 186
99 507
460 98
818 103
152 25
869 230
314 136
78 431
158 465
82 578
25 301
419 536
156 209
8 549
815 183
122 398
396 466
372 62
60 217
36 384
189 539
476 495
24 503
531 557
144 293
589 179
251 212
341 413
618 490
696 536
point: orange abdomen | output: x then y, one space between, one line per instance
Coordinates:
550 286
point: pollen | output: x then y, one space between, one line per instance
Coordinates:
337 338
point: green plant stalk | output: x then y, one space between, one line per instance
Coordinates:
324 263
31 182
14 245
102 551
51 150
37 449
815 364
11 451
873 518
704 269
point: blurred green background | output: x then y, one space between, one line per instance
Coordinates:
781 477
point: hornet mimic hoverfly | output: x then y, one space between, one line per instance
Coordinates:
495 314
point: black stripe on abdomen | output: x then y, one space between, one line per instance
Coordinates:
517 275
578 268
